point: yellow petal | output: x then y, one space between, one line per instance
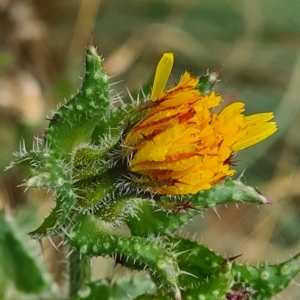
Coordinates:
172 166
232 110
255 134
211 100
258 118
162 75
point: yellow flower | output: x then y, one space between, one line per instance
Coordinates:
180 146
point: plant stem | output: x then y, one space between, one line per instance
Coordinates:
79 271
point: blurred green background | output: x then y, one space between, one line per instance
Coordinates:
255 44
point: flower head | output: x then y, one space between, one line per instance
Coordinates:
180 146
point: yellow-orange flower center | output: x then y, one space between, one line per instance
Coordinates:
180 145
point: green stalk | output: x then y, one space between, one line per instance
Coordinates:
79 272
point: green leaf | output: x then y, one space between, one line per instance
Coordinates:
153 297
204 274
266 281
54 174
93 237
74 123
214 288
121 289
17 263
196 259
114 124
229 191
155 221
93 290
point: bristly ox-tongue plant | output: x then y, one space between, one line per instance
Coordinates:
149 165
